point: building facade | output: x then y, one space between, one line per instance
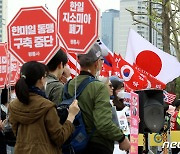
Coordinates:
126 22
109 26
3 20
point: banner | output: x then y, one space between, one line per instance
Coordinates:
158 63
134 123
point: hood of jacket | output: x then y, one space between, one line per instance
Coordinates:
27 114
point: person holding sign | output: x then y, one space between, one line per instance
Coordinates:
34 118
95 107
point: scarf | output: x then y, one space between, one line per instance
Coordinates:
38 91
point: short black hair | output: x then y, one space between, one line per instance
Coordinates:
59 57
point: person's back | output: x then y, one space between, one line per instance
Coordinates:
94 103
54 87
34 118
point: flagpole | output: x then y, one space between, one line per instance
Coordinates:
75 89
150 22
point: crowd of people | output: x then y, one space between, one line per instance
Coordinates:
33 115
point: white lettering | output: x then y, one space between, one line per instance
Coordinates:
171 145
25 42
117 60
45 28
165 144
178 145
43 41
75 29
76 6
23 30
3 68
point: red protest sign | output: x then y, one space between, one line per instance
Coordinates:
77 24
32 35
13 70
3 64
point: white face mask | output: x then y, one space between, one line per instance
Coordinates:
121 94
13 96
98 74
98 70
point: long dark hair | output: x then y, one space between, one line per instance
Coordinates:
31 72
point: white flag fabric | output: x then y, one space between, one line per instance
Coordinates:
74 70
160 64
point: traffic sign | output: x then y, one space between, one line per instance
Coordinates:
32 35
78 23
3 64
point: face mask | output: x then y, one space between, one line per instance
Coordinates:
121 94
98 74
13 96
98 71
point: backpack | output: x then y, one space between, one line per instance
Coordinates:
77 142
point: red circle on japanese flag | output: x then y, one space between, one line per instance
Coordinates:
149 61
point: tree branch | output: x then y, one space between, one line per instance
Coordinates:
134 13
141 22
154 2
176 29
173 14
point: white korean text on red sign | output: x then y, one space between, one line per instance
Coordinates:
3 64
32 35
77 24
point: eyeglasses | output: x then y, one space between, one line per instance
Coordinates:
110 85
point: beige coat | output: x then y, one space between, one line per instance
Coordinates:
37 125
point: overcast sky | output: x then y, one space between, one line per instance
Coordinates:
52 5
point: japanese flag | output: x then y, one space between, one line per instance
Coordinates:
158 63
